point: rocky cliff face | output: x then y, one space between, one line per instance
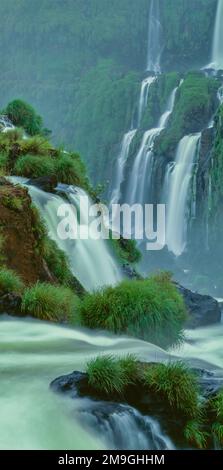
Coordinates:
20 247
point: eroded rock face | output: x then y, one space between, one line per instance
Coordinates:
203 310
20 235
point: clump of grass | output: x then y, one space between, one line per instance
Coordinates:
217 405
217 430
176 384
10 281
35 145
106 375
48 302
151 309
71 170
194 434
33 166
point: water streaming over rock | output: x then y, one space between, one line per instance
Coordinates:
154 38
143 97
33 353
139 184
5 124
91 260
217 51
178 193
120 165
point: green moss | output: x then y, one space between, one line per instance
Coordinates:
151 309
49 302
57 262
195 105
12 202
10 281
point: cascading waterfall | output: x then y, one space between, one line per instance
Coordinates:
154 38
90 260
217 50
178 193
141 174
123 157
143 97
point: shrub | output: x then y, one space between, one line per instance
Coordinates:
49 302
106 375
151 309
10 281
176 384
12 135
33 166
23 115
71 170
194 434
36 145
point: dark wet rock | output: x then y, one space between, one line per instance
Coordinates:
130 271
203 309
46 183
10 304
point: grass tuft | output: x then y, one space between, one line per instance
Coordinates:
10 281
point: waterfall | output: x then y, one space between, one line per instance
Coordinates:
217 50
141 174
124 428
154 38
5 124
179 184
120 166
90 260
143 97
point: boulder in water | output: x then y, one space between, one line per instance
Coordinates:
203 309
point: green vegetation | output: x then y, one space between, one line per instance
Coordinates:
49 302
195 105
106 375
34 166
150 309
23 115
57 262
126 250
195 434
12 202
176 384
159 93
10 281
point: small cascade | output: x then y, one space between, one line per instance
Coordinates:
217 50
140 178
124 428
123 156
154 38
178 193
91 260
5 124
143 97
